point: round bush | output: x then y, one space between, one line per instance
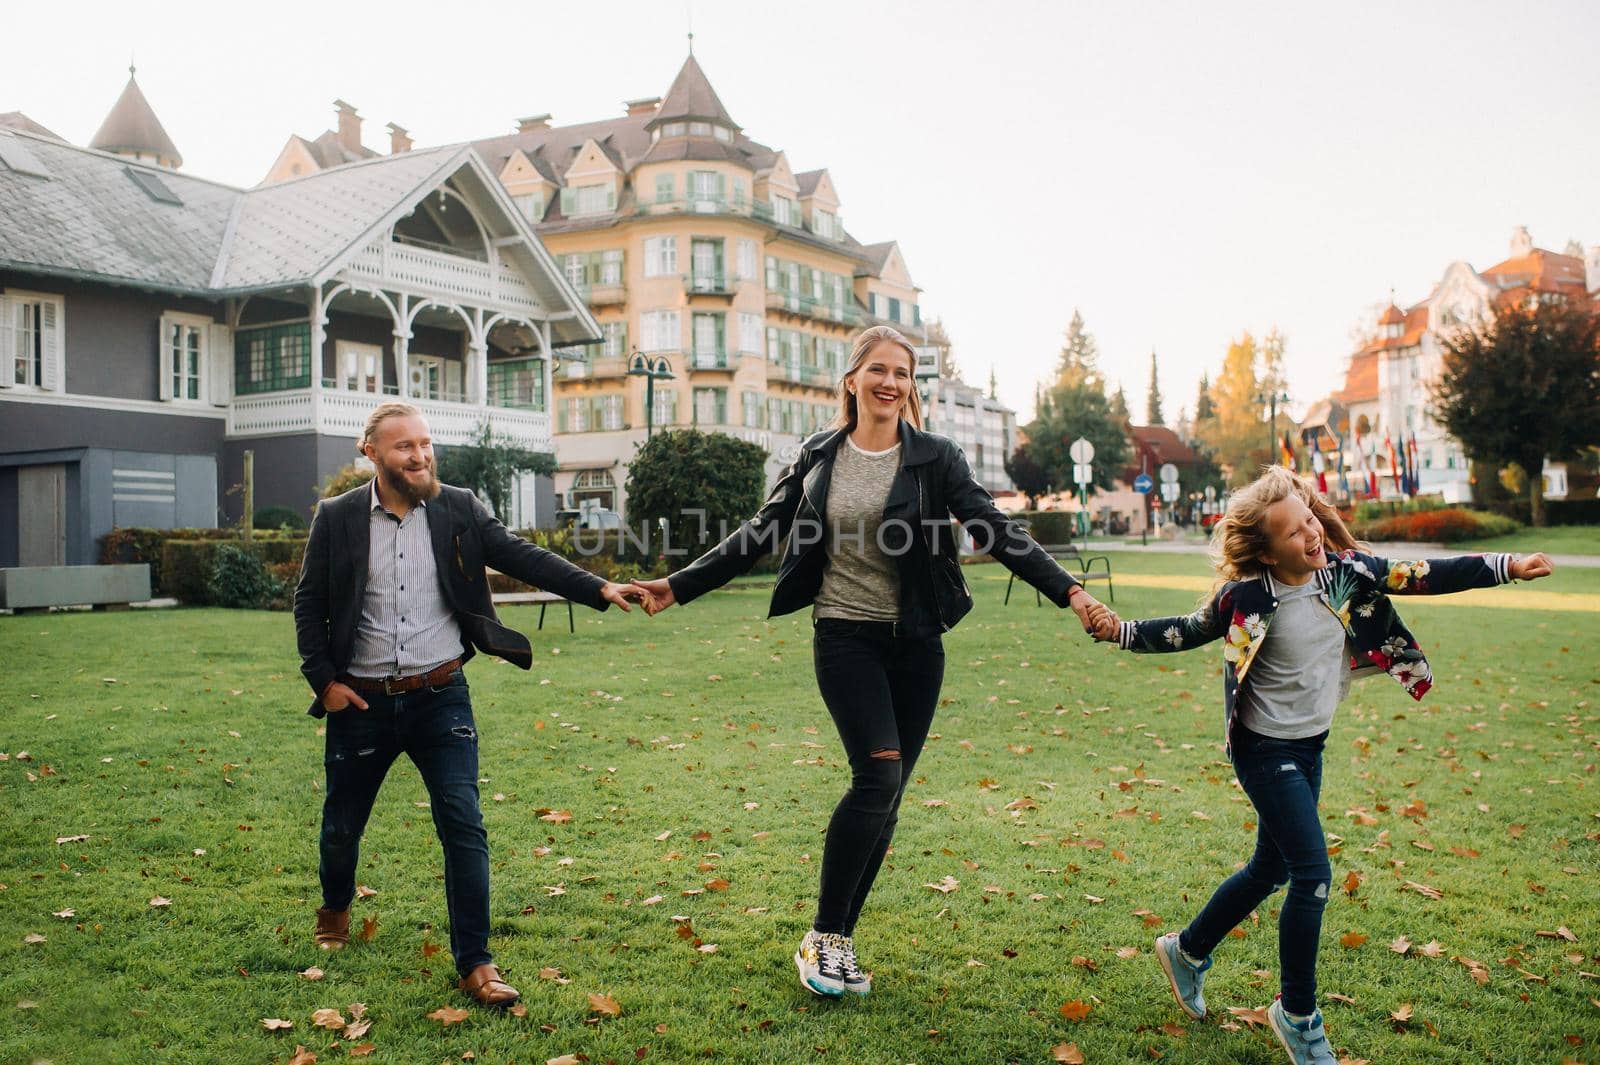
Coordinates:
239 579
279 517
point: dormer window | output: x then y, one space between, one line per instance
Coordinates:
785 212
588 200
674 129
699 129
825 224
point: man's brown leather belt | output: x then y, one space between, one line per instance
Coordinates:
397 685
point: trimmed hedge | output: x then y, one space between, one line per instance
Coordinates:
187 566
135 545
1050 526
1556 511
1445 525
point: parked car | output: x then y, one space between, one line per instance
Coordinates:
599 518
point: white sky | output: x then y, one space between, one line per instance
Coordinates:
1180 171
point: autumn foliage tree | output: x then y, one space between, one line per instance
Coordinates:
1523 387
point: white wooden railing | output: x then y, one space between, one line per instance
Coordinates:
432 273
341 413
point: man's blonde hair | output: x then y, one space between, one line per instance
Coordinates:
380 414
1240 537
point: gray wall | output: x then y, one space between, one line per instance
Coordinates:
288 470
9 547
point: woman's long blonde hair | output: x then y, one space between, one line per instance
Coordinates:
865 341
1240 537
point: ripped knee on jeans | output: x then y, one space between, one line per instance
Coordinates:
887 754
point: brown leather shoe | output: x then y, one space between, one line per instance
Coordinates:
333 928
485 986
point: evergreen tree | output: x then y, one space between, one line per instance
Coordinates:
1152 400
1119 404
1204 410
1080 356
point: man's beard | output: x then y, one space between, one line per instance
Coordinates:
397 481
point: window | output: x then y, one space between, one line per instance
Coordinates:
587 414
745 261
611 267
791 277
660 331
517 383
531 206
750 332
665 406
705 187
705 262
822 223
588 200
838 290
31 340
272 359
741 194
772 273
894 309
709 348
666 188
785 212
674 129
185 353
816 285
660 256
435 377
722 133
616 339
754 409
699 129
359 366
711 406
573 267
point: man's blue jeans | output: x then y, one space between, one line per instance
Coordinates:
434 728
1283 779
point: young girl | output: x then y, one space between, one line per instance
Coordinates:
1301 609
863 515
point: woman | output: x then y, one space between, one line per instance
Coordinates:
864 517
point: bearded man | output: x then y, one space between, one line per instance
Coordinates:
392 601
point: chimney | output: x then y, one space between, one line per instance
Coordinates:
399 140
644 106
1591 268
1521 242
534 123
349 126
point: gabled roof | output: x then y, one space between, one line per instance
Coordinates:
1361 378
1540 270
691 97
91 219
132 126
18 120
877 256
1163 442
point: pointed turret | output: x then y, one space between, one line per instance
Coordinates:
132 129
692 99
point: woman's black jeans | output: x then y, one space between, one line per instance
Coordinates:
881 689
1283 779
434 728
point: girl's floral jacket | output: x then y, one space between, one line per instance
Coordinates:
1355 586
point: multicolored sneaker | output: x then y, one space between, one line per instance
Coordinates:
1183 976
820 960
1304 1041
855 981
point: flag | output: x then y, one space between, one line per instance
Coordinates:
1288 450
1413 466
1319 466
1394 464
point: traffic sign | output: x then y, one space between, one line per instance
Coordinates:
1169 473
1143 483
1211 493
1169 492
1082 450
1083 473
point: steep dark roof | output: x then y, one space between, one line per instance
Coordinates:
132 126
692 96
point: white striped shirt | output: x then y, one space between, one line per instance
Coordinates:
406 626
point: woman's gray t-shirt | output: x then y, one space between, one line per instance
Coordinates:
860 581
1299 675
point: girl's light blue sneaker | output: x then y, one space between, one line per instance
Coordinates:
1304 1040
1185 978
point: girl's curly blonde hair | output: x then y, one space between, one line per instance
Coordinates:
1240 538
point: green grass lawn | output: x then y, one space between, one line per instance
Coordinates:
1556 540
1078 795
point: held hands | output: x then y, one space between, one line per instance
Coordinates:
660 595
1099 620
1532 567
622 594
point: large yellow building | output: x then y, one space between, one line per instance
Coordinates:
695 245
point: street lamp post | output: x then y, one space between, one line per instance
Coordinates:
640 365
1271 400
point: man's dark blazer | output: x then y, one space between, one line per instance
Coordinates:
466 538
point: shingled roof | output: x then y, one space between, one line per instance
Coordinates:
132 127
691 97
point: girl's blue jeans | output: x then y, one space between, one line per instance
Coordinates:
1283 779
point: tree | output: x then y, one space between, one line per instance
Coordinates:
1523 388
1080 357
1152 399
1031 479
1065 415
488 466
1119 404
343 479
700 484
1235 432
1204 409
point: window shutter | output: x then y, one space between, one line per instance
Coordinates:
611 197
164 359
219 354
50 322
568 201
8 342
722 186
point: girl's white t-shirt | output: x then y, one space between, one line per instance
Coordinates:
1299 674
